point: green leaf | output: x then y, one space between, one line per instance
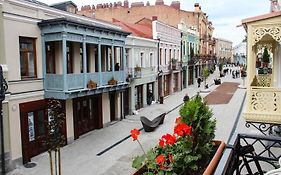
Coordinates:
138 162
148 173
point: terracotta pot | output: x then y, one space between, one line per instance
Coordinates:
210 169
216 158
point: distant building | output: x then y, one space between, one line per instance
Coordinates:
168 14
239 53
223 50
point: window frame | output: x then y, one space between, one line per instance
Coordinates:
24 52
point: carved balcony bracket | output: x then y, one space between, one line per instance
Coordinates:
265 128
272 30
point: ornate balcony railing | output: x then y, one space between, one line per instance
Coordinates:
263 105
265 80
142 72
250 154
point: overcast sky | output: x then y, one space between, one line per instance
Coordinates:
225 14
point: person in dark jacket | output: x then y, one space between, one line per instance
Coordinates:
199 81
186 98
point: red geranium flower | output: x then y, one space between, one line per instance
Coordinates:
182 129
161 142
135 133
168 139
178 120
160 160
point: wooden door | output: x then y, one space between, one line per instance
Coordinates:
126 102
167 83
87 114
138 97
190 75
34 119
112 106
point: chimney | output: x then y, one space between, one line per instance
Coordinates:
154 18
137 4
197 7
119 4
126 4
159 2
99 6
147 3
176 5
86 8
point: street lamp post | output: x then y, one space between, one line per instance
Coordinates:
3 89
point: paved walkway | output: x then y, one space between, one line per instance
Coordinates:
80 157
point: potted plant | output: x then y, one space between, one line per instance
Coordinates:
91 84
188 150
265 57
112 81
137 71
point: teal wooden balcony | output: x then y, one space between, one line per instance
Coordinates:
76 84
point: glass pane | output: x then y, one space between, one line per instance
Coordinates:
41 123
31 65
31 131
22 64
30 45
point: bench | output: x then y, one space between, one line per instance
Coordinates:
151 125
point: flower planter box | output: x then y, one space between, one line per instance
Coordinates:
210 169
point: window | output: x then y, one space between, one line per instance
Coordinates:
69 57
50 58
150 59
27 57
160 57
141 60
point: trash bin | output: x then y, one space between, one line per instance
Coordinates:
161 99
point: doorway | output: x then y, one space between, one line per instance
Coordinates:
33 119
87 113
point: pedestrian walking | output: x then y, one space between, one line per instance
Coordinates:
199 81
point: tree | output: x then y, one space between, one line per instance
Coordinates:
206 74
265 56
55 139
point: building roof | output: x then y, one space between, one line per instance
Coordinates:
63 3
261 17
80 23
37 2
139 30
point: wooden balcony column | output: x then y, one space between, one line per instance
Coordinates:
112 58
99 62
64 62
124 62
43 57
84 62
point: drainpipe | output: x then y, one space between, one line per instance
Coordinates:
3 89
161 98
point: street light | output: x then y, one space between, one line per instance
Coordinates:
3 89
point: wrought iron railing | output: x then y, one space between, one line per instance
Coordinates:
250 154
